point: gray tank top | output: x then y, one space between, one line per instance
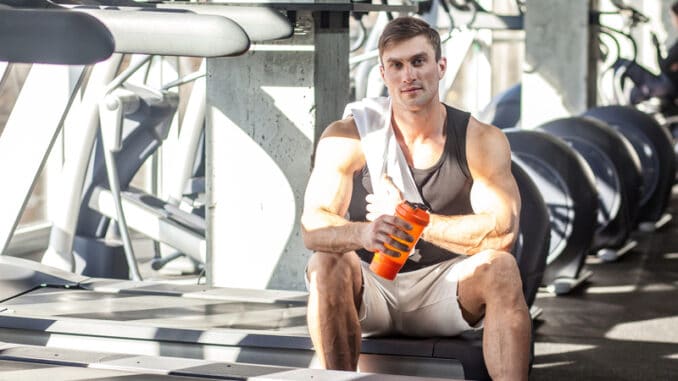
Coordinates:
445 189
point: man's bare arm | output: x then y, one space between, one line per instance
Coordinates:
494 197
328 194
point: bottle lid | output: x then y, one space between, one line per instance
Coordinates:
419 213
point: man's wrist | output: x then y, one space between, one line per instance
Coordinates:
425 234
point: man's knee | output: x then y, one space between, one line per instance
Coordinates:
499 276
334 271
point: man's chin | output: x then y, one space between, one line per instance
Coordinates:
413 104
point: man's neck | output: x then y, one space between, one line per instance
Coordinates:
420 124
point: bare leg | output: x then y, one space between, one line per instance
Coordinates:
491 285
334 299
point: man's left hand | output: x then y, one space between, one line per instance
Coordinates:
385 202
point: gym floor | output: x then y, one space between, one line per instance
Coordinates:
620 325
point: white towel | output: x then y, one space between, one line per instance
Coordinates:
382 153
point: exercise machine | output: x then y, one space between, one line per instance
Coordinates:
653 145
616 168
567 185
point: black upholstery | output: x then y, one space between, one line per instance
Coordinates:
568 188
504 109
532 247
616 167
658 162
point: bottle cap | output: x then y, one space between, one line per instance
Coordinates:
417 212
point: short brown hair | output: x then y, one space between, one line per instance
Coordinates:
406 27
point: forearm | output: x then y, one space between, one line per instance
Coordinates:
330 233
470 234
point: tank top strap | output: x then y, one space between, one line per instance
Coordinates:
457 123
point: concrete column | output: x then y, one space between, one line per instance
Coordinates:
265 112
506 52
559 77
662 11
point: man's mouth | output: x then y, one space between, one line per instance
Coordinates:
411 89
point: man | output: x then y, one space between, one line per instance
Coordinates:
647 84
465 277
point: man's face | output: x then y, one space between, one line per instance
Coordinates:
411 72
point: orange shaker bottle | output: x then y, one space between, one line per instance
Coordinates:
417 215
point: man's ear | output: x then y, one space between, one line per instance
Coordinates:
381 71
442 66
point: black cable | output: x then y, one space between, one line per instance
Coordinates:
362 36
634 45
520 4
446 8
614 39
475 8
604 48
389 15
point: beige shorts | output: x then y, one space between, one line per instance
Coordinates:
421 303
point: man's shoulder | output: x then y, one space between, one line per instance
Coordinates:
483 131
342 128
340 146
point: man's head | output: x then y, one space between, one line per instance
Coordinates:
405 28
411 63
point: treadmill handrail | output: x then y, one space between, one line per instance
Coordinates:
171 33
46 36
260 23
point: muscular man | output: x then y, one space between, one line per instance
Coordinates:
465 278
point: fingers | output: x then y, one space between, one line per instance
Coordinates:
390 235
378 206
385 202
398 226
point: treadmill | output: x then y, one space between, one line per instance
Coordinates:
61 325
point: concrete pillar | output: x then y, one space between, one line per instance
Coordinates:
662 12
559 77
265 112
506 52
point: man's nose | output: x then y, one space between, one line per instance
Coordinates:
408 73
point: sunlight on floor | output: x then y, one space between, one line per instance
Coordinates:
652 330
553 364
545 349
610 289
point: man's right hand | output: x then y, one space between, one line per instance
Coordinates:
377 235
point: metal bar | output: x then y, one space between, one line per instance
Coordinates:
190 34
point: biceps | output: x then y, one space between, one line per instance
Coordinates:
328 191
498 197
